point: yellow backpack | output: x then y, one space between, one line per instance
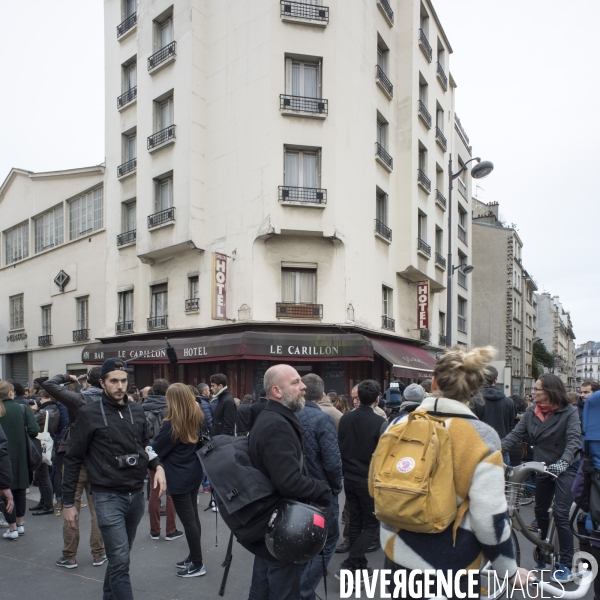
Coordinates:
411 477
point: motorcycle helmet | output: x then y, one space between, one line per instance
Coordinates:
296 532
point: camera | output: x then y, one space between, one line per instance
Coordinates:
127 460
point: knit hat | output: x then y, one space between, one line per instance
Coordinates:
112 364
40 380
414 393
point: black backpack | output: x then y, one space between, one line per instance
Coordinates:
246 498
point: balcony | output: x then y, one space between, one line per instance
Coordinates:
386 11
441 75
423 248
462 279
123 327
162 58
440 138
383 230
301 106
161 138
301 196
161 218
462 188
44 341
156 323
127 168
424 114
192 305
440 199
288 310
126 26
462 233
383 158
81 335
383 82
388 323
127 98
442 340
302 12
424 335
461 324
440 261
124 239
423 181
425 46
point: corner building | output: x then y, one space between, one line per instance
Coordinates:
306 144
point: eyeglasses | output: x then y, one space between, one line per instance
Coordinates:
538 389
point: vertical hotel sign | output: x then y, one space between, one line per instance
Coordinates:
423 304
219 286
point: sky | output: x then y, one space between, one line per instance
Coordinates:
527 80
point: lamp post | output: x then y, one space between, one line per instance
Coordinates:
479 171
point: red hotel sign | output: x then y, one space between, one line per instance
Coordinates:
219 286
423 304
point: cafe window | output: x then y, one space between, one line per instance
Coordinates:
299 286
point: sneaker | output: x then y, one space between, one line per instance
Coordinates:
562 574
3 523
36 507
21 529
11 535
540 565
192 570
183 564
215 509
67 563
342 548
98 562
43 511
533 526
155 536
174 536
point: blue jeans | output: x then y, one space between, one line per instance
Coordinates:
274 580
118 518
313 571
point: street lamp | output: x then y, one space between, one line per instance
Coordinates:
479 171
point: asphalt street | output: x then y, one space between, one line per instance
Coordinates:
28 572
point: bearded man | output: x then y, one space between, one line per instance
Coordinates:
275 443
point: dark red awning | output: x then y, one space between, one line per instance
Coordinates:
406 360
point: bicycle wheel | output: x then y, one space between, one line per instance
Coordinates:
515 541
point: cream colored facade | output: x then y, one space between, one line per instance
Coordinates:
587 362
43 329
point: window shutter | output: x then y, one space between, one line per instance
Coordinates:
288 76
319 157
320 80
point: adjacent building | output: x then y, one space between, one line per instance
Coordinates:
587 363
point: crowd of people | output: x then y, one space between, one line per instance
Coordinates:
123 446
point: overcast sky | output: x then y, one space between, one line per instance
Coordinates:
527 79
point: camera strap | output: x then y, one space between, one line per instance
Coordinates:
106 425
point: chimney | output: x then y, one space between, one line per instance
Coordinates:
493 207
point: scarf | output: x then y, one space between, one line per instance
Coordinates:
543 411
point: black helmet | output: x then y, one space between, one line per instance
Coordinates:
296 532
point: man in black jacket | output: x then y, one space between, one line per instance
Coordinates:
224 413
275 444
359 432
110 435
258 406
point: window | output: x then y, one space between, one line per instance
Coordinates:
441 57
381 207
462 224
126 306
163 34
303 78
129 147
128 217
129 8
424 22
302 168
160 300
163 112
49 229
129 76
17 244
383 54
528 345
386 301
299 286
82 313
439 119
194 287
422 226
439 240
85 214
382 131
462 315
423 92
442 323
423 160
16 312
164 193
462 278
46 320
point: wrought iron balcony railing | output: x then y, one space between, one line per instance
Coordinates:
126 98
440 138
80 335
161 217
442 340
288 310
192 304
462 233
126 238
440 199
162 55
424 114
388 323
385 7
425 45
44 340
302 195
441 75
126 168
124 327
384 156
423 248
126 25
440 261
155 323
301 104
303 11
425 335
461 324
383 230
382 79
161 137
423 181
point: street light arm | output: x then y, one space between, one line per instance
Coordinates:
464 167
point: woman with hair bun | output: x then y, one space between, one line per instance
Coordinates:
478 473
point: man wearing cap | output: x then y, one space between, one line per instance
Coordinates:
110 436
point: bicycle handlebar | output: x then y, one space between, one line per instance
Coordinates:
519 474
